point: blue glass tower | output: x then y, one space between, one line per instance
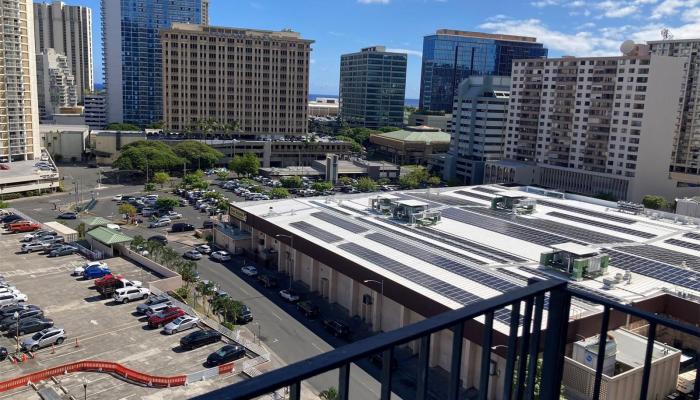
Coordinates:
132 53
451 56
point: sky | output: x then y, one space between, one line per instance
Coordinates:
566 27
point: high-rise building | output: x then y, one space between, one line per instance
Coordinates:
20 138
55 83
132 54
685 165
257 79
67 30
96 110
451 56
478 127
595 125
372 87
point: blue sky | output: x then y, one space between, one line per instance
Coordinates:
566 27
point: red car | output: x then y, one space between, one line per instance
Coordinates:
107 280
23 226
162 318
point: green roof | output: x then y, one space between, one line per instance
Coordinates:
109 236
417 136
95 221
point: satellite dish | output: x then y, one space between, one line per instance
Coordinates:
628 47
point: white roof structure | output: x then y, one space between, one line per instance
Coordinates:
475 252
412 203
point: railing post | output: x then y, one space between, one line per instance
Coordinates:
651 337
534 347
512 349
696 386
553 358
524 341
486 357
456 362
602 341
423 365
387 372
344 382
295 391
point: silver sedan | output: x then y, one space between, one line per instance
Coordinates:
180 324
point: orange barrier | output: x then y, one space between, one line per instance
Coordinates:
95 366
225 368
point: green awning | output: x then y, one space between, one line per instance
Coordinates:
109 236
95 221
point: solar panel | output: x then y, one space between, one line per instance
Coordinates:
472 246
581 234
684 244
440 287
320 204
339 222
503 227
486 190
586 212
655 269
612 227
693 235
447 200
316 232
474 195
663 255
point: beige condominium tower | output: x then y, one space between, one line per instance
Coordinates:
255 78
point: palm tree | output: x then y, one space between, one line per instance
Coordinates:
137 242
329 394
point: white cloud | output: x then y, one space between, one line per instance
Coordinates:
544 3
617 9
671 7
373 1
415 53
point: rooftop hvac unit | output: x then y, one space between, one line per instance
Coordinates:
609 284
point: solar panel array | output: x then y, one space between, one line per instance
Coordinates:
662 255
583 235
486 190
448 200
612 227
503 227
340 222
684 244
404 196
474 247
316 232
326 206
655 269
474 195
440 287
586 212
693 235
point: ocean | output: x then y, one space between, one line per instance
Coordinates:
408 102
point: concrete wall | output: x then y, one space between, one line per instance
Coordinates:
171 280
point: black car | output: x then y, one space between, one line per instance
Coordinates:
53 247
68 215
29 325
3 353
244 317
337 328
12 308
9 320
181 227
159 238
63 251
10 219
199 338
226 354
152 301
208 224
309 309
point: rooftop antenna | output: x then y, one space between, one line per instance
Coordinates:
666 34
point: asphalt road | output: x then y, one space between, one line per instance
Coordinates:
282 329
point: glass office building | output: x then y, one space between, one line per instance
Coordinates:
132 54
451 56
372 88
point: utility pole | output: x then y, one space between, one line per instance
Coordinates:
147 170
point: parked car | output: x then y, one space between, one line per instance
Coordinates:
124 295
208 224
180 324
249 270
10 299
226 354
30 237
29 325
289 295
78 271
267 281
9 320
63 251
156 308
163 317
182 227
107 280
117 197
147 212
45 337
221 256
94 271
159 238
68 215
199 338
309 309
245 316
114 226
8 219
192 255
173 215
203 248
337 328
30 247
160 223
23 226
12 308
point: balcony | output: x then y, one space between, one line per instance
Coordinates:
539 314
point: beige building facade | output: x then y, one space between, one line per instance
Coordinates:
257 79
56 84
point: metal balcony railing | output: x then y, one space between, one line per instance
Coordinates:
535 358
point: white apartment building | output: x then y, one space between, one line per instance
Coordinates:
55 83
67 30
595 125
478 127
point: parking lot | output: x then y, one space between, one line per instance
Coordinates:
96 329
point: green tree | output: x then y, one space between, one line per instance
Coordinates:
197 153
383 181
154 248
117 126
156 125
386 129
167 203
366 184
329 394
434 181
136 242
354 146
128 209
4 204
188 272
81 229
222 175
232 309
149 187
206 289
654 202
161 178
195 180
247 164
151 155
408 182
291 181
279 193
345 180
213 195
322 186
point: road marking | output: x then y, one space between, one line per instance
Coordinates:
276 316
317 348
274 341
244 291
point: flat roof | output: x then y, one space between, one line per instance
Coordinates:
574 248
475 252
60 228
412 203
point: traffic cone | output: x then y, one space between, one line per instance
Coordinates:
24 357
53 349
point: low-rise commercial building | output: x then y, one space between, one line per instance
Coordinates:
106 145
65 142
412 145
324 107
435 119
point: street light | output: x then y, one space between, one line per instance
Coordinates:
16 315
85 383
381 284
291 246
